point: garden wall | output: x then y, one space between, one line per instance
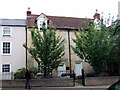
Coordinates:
38 83
97 81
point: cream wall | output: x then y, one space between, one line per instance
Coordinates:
17 59
65 58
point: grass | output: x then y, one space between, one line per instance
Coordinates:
78 81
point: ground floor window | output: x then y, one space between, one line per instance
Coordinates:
5 68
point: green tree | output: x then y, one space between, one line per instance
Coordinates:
94 46
115 29
47 49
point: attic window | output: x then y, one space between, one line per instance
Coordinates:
41 24
7 31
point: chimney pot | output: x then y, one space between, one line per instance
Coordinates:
28 12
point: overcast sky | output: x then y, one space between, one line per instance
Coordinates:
16 9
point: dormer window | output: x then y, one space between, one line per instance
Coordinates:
42 19
7 31
41 24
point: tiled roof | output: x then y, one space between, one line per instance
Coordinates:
61 22
12 22
69 22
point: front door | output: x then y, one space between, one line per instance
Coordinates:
61 68
78 68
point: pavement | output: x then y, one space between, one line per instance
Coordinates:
62 88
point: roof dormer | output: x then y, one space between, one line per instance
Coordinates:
40 20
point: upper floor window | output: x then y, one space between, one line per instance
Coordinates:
5 68
6 48
7 31
41 24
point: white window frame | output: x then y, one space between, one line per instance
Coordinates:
2 48
2 68
6 34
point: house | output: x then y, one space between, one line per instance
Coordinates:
66 26
12 53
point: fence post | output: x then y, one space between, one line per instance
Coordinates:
12 75
83 78
74 78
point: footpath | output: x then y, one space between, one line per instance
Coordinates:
62 88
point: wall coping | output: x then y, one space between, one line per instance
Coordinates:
103 77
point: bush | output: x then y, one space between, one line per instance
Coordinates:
90 74
20 74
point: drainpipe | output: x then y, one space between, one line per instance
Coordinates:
69 50
26 45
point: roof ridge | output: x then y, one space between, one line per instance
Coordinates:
62 16
68 17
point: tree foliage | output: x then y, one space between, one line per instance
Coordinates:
94 46
115 29
47 49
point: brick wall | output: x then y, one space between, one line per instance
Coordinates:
97 81
38 82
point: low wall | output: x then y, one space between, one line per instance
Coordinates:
38 83
98 81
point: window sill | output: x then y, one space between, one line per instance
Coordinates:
4 73
6 54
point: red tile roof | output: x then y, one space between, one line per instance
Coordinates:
61 22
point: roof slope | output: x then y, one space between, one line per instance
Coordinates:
61 22
69 22
12 22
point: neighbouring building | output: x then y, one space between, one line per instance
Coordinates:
12 53
66 26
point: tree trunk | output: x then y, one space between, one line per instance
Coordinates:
45 71
39 67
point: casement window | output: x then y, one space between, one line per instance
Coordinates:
5 68
7 31
6 48
41 25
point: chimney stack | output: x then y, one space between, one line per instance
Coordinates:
28 12
97 15
28 16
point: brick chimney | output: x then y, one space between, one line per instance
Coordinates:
97 15
28 12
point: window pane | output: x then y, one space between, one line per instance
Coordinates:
6 31
5 68
6 47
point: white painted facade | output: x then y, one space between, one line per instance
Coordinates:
15 58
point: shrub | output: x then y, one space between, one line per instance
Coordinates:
90 74
20 74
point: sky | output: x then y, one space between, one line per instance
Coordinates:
16 9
